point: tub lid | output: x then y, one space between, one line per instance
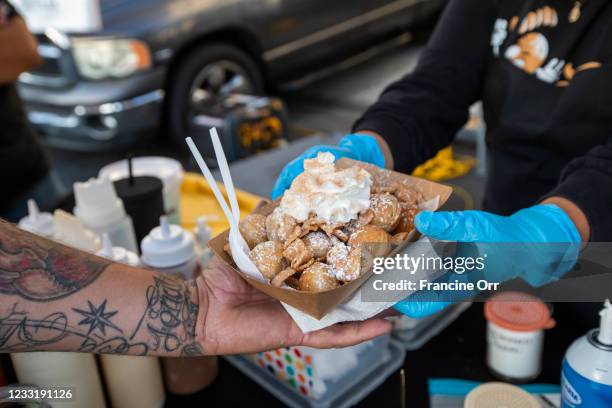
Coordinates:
496 394
518 311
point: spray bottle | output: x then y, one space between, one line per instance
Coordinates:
124 374
586 376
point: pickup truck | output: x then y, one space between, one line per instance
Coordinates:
115 71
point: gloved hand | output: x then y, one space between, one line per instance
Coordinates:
355 146
538 244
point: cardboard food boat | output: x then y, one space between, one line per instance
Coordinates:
318 304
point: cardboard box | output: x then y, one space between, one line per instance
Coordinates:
320 303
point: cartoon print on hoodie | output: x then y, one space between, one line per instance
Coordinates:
530 52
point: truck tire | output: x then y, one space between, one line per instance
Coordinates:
198 75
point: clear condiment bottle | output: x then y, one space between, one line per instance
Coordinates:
124 374
36 222
100 210
77 371
170 249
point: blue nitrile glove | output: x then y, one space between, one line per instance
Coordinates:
355 146
538 244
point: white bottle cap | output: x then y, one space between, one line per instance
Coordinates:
117 254
37 222
167 246
605 325
97 204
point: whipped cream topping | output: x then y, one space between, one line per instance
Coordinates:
333 196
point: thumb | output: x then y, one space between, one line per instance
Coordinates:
461 226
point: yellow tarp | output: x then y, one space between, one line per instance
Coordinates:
198 199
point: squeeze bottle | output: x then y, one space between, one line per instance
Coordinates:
59 369
586 375
36 222
124 374
69 230
100 210
171 250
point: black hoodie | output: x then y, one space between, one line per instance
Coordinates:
543 72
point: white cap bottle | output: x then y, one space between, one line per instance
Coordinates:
605 324
117 254
124 374
99 209
170 249
70 231
36 222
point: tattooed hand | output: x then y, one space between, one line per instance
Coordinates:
240 319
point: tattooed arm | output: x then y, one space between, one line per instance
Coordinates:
57 298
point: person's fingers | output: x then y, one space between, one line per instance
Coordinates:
347 334
460 226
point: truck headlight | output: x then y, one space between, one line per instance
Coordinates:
110 58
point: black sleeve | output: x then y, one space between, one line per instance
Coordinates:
587 182
421 113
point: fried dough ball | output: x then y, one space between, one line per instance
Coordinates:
318 243
406 223
317 278
387 211
280 226
376 240
345 263
297 253
407 195
268 257
253 229
399 238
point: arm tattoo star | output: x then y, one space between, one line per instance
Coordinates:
97 317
